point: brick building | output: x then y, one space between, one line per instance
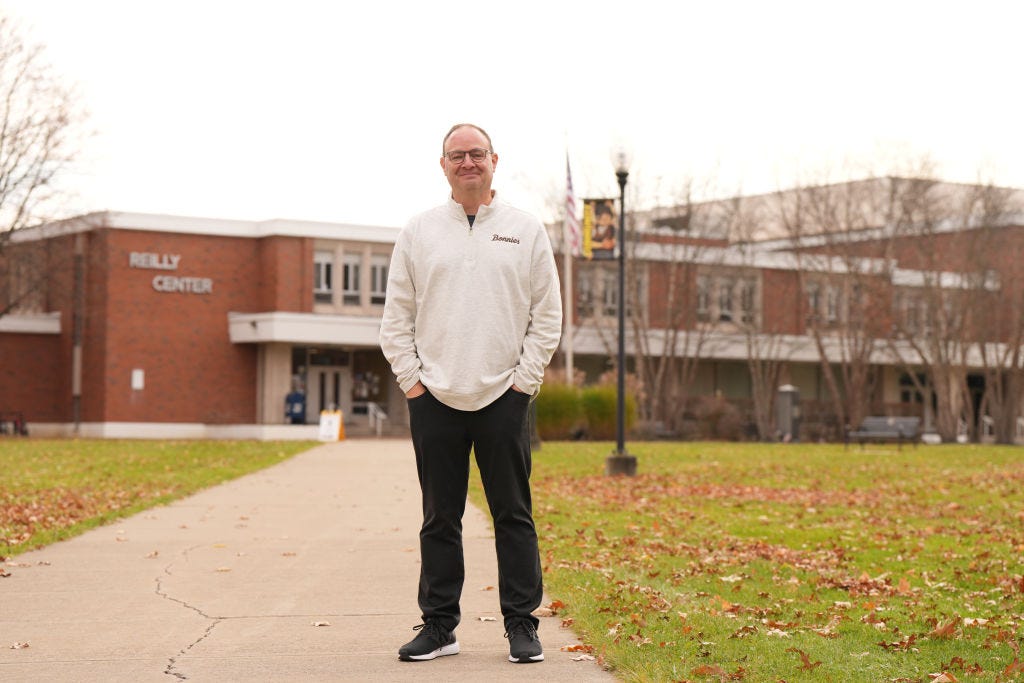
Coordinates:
888 296
148 325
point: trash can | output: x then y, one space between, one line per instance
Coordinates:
295 408
787 413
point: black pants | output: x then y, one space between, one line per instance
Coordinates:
498 435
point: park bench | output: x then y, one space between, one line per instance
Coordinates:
877 428
13 423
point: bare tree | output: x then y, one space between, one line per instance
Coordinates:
952 235
841 284
996 299
40 127
668 249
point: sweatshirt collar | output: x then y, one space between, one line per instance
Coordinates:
485 209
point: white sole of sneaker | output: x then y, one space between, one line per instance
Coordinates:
526 660
452 649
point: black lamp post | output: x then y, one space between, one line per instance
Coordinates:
619 462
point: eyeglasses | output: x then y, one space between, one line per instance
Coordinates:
457 157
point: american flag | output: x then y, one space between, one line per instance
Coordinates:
572 223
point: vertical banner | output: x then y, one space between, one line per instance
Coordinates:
587 251
599 225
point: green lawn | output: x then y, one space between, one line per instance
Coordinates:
54 489
771 562
718 562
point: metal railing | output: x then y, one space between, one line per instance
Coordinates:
376 417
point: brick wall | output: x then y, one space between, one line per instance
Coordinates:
193 373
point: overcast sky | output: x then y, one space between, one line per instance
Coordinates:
335 110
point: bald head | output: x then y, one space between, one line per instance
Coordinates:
454 128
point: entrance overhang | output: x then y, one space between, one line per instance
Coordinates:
303 328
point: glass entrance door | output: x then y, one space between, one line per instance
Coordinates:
330 388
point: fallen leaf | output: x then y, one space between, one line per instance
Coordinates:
288 554
487 618
578 647
487 588
947 631
321 623
1014 667
944 677
807 665
223 569
708 670
543 612
778 633
19 646
583 658
150 556
4 573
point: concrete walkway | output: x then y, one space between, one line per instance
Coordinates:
231 584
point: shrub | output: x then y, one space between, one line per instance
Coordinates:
718 419
559 412
599 407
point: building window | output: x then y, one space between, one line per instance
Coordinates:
831 305
908 389
378 278
924 317
725 300
351 279
323 277
813 302
597 292
703 298
585 293
748 312
610 298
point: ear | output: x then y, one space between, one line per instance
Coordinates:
494 161
443 169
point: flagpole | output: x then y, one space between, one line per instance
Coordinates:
567 269
570 238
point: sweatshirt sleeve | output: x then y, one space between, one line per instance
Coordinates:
545 326
398 324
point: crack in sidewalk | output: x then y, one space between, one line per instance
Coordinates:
173 661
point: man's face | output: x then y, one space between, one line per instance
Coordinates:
468 176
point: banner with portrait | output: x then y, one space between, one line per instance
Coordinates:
599 228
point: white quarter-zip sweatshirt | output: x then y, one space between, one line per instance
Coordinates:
471 310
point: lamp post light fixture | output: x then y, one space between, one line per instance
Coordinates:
620 462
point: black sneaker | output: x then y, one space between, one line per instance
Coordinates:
433 641
523 645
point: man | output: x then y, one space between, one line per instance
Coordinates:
472 317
